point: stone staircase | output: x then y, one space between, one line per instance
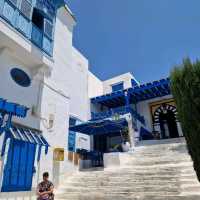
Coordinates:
157 170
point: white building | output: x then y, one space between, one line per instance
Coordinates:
40 69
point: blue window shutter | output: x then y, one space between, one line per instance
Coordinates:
72 135
16 163
7 168
30 165
117 87
8 12
26 8
19 169
48 28
22 172
71 141
1 6
14 2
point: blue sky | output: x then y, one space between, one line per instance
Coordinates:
145 37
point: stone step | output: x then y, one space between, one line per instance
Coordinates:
132 183
156 170
127 196
161 189
141 171
126 177
87 197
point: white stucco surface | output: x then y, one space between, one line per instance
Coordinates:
125 78
95 86
59 89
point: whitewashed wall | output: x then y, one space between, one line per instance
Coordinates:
13 92
78 90
95 86
69 79
78 86
125 78
60 93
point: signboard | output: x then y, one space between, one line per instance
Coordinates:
58 154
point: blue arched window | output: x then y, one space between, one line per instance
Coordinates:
20 77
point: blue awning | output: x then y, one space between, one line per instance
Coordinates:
100 127
25 135
13 108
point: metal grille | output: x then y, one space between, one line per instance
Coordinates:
26 8
14 2
48 28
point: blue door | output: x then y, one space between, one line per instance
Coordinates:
19 168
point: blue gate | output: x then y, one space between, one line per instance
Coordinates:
19 167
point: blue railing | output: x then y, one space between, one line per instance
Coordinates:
118 111
24 25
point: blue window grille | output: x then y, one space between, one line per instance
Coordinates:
19 167
117 87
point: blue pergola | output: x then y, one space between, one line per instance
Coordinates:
134 94
100 127
12 108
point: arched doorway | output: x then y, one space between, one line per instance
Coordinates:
165 118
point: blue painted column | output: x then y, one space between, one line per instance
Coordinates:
127 98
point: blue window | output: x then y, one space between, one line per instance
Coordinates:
117 87
19 167
34 19
20 77
72 135
134 83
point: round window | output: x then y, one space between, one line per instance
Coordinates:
20 77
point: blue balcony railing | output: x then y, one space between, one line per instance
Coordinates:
118 111
24 25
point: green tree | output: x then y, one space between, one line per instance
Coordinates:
185 86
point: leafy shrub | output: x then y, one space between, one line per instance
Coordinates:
185 86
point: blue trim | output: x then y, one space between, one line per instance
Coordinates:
13 108
19 168
136 94
71 134
120 111
6 136
13 16
25 135
39 153
100 127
